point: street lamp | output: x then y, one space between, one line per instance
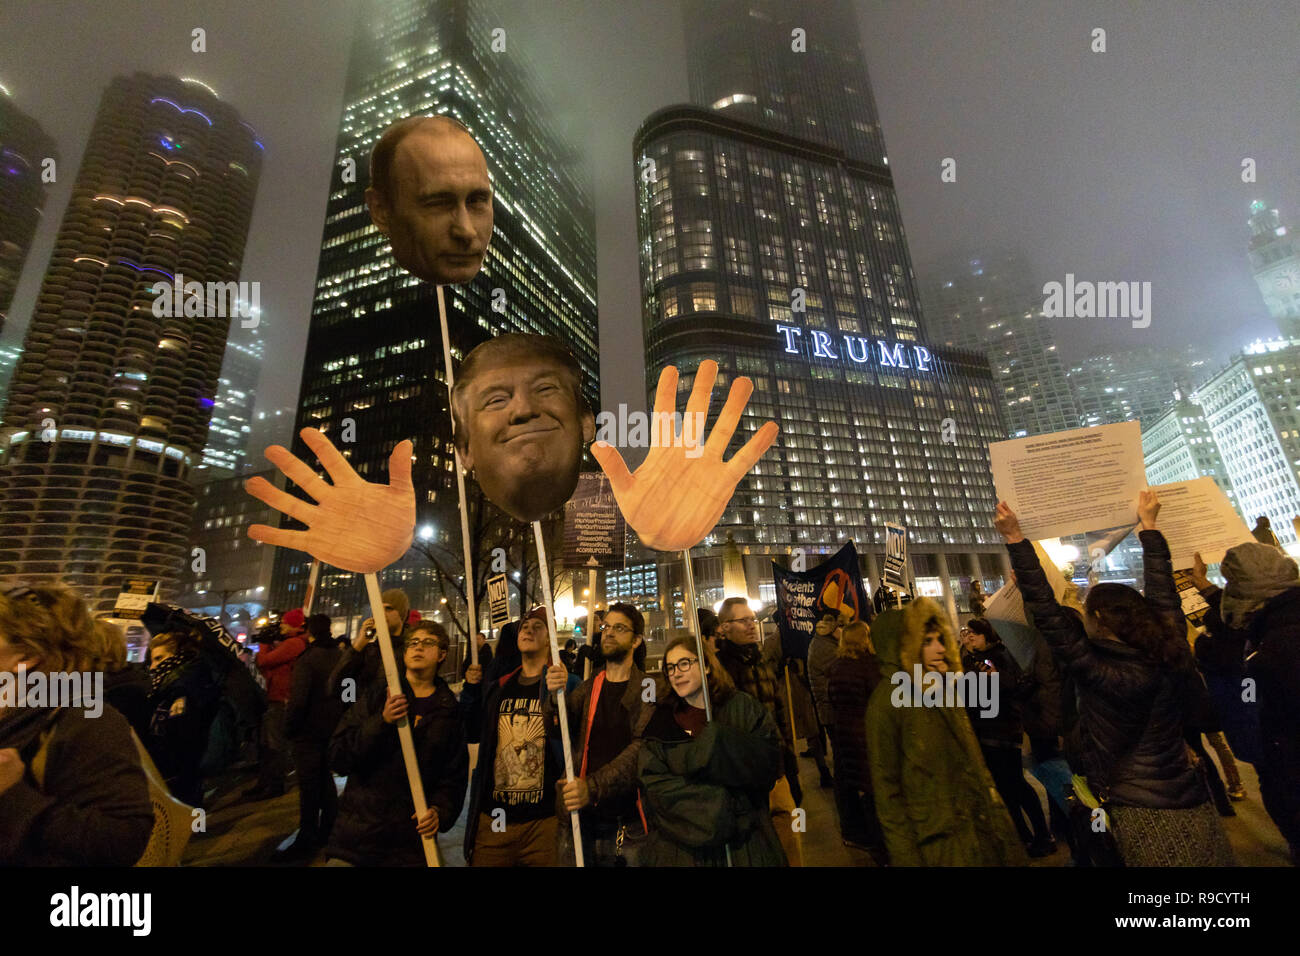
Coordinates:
426 533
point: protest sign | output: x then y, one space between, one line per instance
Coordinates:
1071 482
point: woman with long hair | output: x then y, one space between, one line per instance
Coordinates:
1136 683
72 792
706 783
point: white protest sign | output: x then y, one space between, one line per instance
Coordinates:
1071 482
1197 516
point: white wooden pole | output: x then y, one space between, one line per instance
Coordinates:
404 725
545 572
472 625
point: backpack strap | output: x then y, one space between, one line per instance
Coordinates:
591 716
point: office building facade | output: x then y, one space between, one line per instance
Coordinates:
374 359
1253 410
109 406
1179 446
785 261
990 304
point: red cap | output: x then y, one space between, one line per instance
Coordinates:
294 618
538 612
414 617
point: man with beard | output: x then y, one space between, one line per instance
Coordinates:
520 420
607 714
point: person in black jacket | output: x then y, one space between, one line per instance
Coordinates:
184 699
1259 612
377 824
309 721
360 667
72 792
1000 735
1132 670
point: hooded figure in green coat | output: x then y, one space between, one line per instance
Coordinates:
935 798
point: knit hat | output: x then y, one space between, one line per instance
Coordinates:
398 601
538 613
1255 573
294 618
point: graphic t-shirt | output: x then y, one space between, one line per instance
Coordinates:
524 769
611 732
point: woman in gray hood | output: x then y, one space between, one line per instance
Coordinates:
1260 608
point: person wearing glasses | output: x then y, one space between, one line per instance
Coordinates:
706 783
607 713
741 654
377 824
72 792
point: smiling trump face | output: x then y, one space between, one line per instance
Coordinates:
521 422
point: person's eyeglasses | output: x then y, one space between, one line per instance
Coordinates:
743 620
423 642
684 665
965 631
616 628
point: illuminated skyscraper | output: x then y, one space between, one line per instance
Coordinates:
1275 263
771 241
228 450
23 148
374 351
110 402
992 305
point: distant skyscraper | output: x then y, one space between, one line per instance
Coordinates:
1179 446
783 257
374 350
746 60
228 449
1119 385
23 148
109 406
1253 410
991 304
1275 263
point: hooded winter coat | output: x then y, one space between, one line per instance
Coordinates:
709 791
1129 734
934 796
374 825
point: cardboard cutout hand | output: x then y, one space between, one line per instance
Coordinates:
356 525
680 491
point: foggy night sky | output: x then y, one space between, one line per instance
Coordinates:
1116 166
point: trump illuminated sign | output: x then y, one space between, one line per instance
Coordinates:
855 349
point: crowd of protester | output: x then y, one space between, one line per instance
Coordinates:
1108 704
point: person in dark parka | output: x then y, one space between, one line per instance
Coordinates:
1135 679
376 823
184 697
852 676
309 721
1260 611
706 783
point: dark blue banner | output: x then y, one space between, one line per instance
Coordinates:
803 597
